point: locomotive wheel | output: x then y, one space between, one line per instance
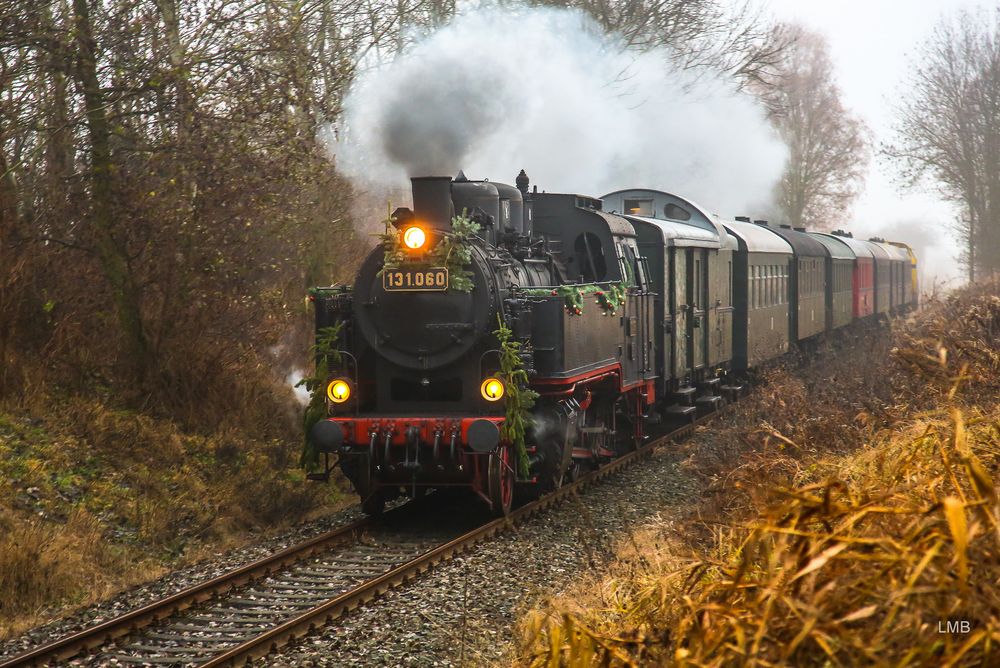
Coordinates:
580 468
501 479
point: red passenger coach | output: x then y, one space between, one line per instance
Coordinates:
863 283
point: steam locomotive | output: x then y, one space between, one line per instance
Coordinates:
506 341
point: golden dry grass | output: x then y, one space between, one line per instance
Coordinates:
842 524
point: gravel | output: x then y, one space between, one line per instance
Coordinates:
171 583
423 624
462 612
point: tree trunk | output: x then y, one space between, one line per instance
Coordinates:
10 266
110 250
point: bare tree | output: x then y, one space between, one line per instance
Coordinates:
706 35
828 146
948 129
163 202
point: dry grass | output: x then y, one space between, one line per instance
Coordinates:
97 499
843 521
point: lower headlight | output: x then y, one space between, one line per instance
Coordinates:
338 391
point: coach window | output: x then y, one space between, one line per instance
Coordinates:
639 207
772 292
674 212
761 285
590 257
765 299
757 281
765 282
697 301
756 287
625 264
729 283
634 262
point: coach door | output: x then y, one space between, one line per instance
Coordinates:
636 316
697 297
679 305
721 307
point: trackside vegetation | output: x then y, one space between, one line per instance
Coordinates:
850 517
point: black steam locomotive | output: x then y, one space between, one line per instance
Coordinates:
506 340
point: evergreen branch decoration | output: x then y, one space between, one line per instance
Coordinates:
519 397
453 251
609 296
327 356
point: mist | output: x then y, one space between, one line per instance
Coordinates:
938 265
548 91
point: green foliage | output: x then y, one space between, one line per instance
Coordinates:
519 397
392 244
609 296
327 355
453 251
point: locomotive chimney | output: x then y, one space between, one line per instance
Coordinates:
432 203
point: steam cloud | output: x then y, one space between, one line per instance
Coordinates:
546 90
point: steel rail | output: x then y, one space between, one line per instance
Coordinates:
72 645
270 640
95 636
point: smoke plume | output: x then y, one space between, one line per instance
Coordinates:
546 90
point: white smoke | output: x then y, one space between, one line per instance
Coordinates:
546 90
293 379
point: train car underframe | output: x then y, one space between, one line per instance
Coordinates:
577 426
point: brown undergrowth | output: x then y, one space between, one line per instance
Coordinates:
850 515
97 498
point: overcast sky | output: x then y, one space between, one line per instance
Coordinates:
872 43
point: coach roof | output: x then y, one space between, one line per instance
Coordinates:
758 239
835 245
861 249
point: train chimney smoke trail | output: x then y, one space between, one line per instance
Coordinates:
548 90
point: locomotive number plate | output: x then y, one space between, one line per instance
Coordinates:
412 279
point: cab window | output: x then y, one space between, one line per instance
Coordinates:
590 257
639 207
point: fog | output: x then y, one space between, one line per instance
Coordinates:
546 90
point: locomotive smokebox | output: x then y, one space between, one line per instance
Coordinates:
432 203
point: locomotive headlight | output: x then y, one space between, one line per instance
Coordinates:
492 389
414 237
338 391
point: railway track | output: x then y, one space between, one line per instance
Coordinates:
250 611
